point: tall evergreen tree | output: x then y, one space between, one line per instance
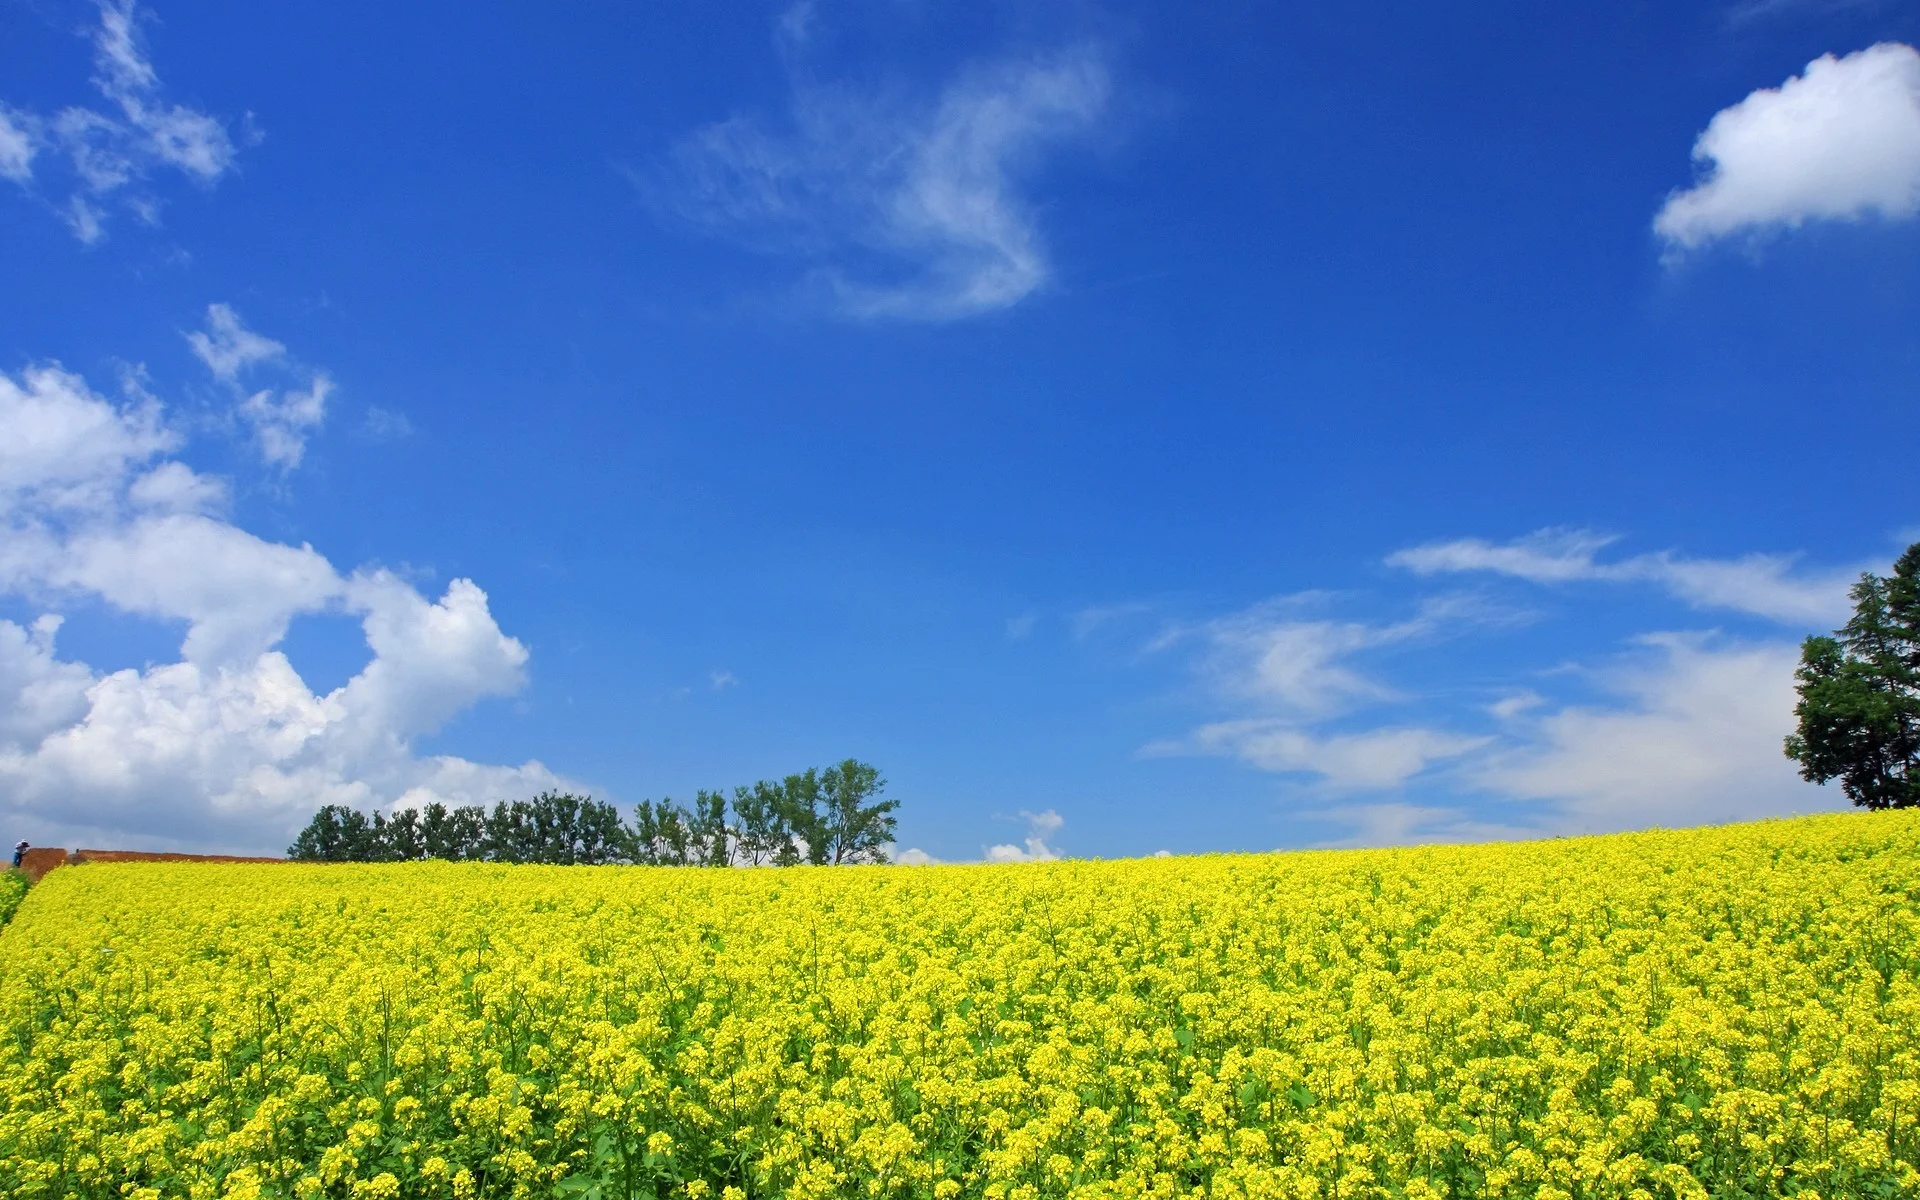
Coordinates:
1859 710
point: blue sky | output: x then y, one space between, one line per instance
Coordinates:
1134 428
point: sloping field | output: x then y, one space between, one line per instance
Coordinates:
1729 1012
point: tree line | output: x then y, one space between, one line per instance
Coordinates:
828 817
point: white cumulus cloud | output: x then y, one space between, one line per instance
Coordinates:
67 448
1034 847
911 210
228 747
1840 142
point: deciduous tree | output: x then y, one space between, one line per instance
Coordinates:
1859 710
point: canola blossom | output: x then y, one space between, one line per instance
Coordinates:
1722 1012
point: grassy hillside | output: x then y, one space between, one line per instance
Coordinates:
1726 1012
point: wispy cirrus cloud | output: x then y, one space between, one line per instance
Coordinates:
1285 657
1290 674
111 153
1366 760
282 417
1839 142
1667 728
907 206
1754 12
1764 585
17 146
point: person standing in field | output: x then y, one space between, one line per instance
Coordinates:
19 852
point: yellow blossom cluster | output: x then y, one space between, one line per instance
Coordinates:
1724 1012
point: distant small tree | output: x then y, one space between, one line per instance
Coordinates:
1859 710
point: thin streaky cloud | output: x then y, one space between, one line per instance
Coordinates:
1273 656
1753 12
1397 823
1379 759
1286 676
1764 585
1088 621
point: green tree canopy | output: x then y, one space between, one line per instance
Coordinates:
1859 710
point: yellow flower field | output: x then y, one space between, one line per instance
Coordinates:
1724 1012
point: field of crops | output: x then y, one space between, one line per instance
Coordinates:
1727 1012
